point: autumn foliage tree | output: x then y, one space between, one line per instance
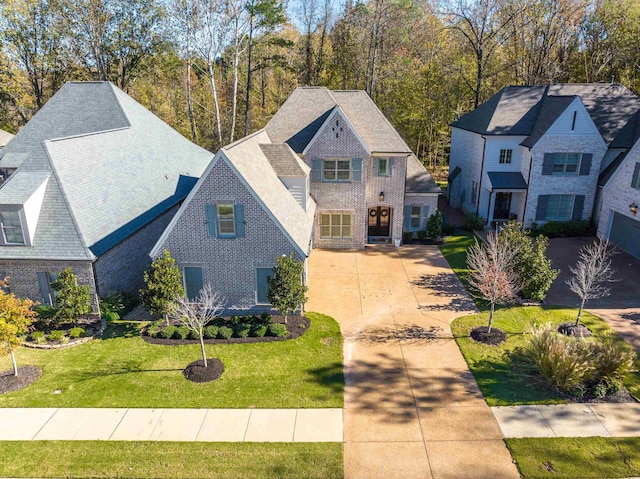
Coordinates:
16 317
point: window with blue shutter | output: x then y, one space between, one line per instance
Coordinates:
585 164
425 216
316 170
212 221
238 213
262 285
383 166
578 207
192 281
356 170
225 220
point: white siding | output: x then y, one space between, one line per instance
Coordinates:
466 152
297 186
32 211
584 126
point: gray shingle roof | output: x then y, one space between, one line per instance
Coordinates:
284 160
418 178
21 186
116 167
515 109
304 112
608 172
507 180
5 137
549 110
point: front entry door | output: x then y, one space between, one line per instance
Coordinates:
502 206
379 221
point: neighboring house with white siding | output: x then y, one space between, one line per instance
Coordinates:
328 170
537 153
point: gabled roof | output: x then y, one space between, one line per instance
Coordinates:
283 160
5 137
306 110
549 110
515 110
418 180
115 166
608 172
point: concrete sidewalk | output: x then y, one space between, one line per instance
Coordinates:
569 420
206 425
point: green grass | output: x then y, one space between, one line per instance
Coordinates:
106 459
570 458
503 376
121 370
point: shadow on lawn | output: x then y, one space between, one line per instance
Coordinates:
122 329
131 366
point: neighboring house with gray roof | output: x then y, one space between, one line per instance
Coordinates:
536 153
328 170
92 180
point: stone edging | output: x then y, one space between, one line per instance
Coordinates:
75 342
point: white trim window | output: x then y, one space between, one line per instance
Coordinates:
11 228
566 164
226 220
336 170
416 218
559 207
335 225
506 156
383 166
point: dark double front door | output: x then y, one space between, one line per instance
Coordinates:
379 220
502 206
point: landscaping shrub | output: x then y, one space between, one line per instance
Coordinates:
193 335
181 332
473 222
258 330
111 307
225 332
407 236
265 318
72 299
241 330
422 235
57 336
434 225
38 337
154 328
210 332
278 330
612 360
235 320
45 312
554 229
77 332
168 332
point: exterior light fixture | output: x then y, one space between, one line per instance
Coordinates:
381 197
633 208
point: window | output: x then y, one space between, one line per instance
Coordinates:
559 207
337 170
416 216
11 227
565 164
45 280
474 191
226 222
262 285
192 281
635 179
335 225
505 156
383 166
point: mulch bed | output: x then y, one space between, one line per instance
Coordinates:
570 329
296 325
27 375
481 335
197 373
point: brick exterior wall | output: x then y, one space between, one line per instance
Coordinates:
466 152
228 264
121 269
422 200
354 198
540 184
23 279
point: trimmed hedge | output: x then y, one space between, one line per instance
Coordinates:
251 326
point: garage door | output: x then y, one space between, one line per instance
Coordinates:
625 233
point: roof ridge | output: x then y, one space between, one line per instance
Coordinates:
245 138
91 133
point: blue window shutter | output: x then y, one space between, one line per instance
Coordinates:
541 211
547 164
390 166
356 170
262 285
212 220
425 215
634 180
407 218
193 281
238 217
45 288
585 164
377 167
578 207
316 170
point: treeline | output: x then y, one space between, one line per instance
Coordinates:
217 69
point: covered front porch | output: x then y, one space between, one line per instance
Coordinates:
507 197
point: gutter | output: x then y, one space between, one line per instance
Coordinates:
526 198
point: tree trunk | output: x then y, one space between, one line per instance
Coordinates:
479 74
214 93
234 99
248 92
580 312
491 317
192 122
15 365
204 353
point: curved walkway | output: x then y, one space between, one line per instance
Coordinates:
412 407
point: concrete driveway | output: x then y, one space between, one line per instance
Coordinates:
412 407
621 309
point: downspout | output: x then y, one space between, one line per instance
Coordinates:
526 196
484 150
489 205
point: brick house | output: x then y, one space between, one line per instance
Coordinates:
90 182
538 153
328 170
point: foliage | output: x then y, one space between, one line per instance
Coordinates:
45 312
38 337
278 330
56 336
16 318
154 328
164 286
211 332
613 361
258 330
434 225
181 332
77 332
554 229
422 234
242 330
531 262
167 332
473 222
72 299
111 307
287 291
225 332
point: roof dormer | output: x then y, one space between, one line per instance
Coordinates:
20 203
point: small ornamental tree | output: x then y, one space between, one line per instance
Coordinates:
434 225
531 262
16 317
196 314
164 286
492 276
286 286
72 299
591 273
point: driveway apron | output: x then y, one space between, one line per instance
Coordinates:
412 407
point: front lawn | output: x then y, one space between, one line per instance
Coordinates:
175 460
504 378
121 370
583 457
454 250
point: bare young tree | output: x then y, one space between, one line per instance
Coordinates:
591 273
196 314
492 276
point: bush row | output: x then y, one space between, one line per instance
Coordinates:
57 335
212 331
